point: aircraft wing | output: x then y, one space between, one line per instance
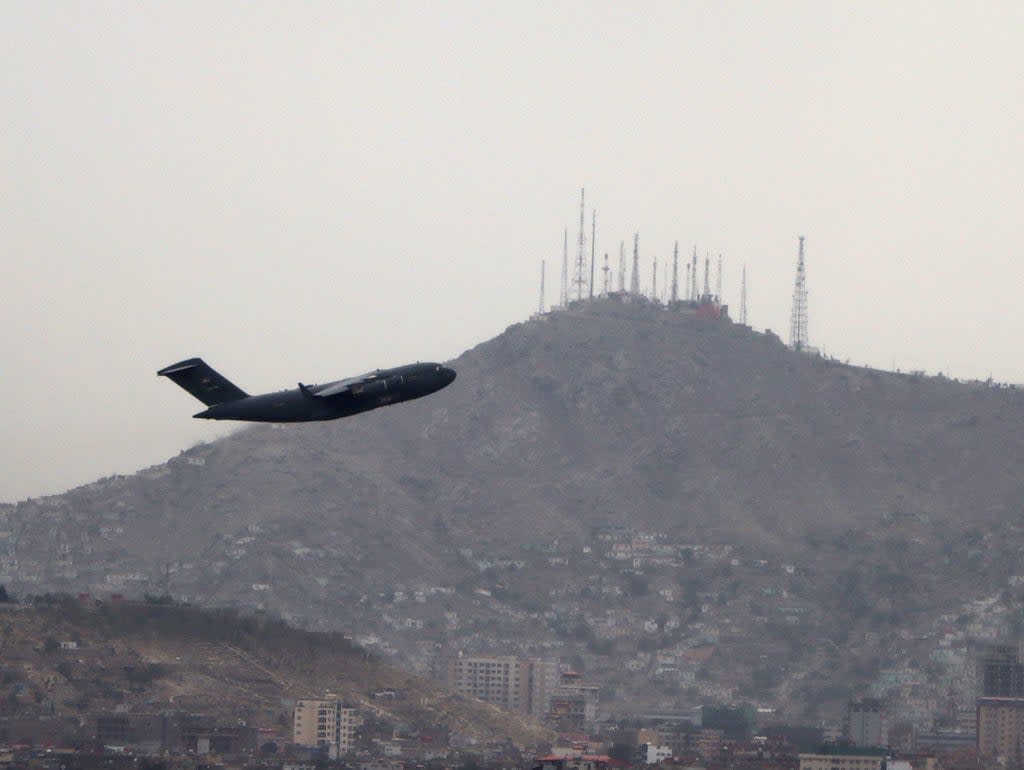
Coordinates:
341 386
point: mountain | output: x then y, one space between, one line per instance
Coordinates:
67 660
617 484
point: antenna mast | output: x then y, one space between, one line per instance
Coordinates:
798 321
540 308
580 278
634 281
654 281
593 240
707 272
675 274
622 265
564 299
694 271
718 283
607 275
743 298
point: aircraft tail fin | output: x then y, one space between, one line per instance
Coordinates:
199 379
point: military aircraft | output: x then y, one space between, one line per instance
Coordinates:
226 401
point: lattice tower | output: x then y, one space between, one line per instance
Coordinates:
634 281
675 273
798 320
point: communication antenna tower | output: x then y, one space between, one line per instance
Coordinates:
798 321
563 300
743 298
693 296
675 274
689 290
654 280
622 265
634 281
593 240
718 282
707 272
607 275
540 307
580 278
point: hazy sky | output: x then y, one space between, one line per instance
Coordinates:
304 191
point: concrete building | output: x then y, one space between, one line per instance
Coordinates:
573 705
1000 671
1001 730
325 723
522 685
842 761
651 754
865 720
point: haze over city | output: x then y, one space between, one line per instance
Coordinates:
307 192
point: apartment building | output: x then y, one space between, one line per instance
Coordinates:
325 723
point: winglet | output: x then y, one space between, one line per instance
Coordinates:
306 391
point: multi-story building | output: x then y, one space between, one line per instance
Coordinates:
522 685
840 760
325 723
1000 669
573 705
502 681
1001 730
865 720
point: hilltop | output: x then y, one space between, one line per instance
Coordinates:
69 660
615 484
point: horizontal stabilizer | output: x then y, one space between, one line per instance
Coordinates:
196 376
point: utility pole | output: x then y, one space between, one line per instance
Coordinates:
798 320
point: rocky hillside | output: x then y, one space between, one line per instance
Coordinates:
486 517
66 660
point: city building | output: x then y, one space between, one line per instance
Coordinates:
865 723
326 723
841 760
1001 730
1000 671
573 705
521 685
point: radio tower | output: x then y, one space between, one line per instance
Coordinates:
689 289
743 298
593 242
622 265
540 307
707 273
798 321
580 279
563 300
634 281
675 274
694 271
654 281
718 282
607 275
